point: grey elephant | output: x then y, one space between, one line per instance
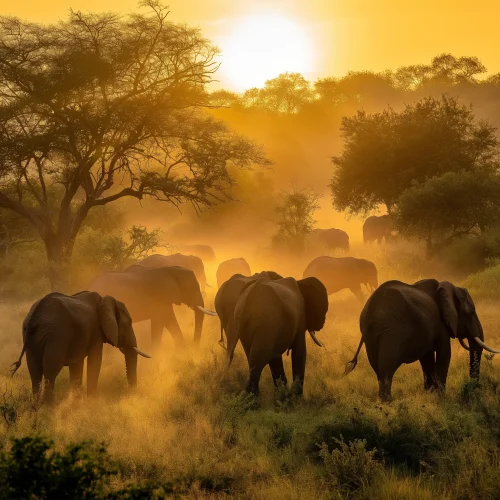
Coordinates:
150 293
178 259
204 252
404 323
62 330
343 272
231 267
271 317
331 239
228 294
377 228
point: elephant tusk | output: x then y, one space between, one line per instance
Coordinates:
463 344
206 311
315 340
485 347
141 353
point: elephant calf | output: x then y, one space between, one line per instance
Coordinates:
62 330
338 273
271 317
404 323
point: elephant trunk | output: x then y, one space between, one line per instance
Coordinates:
198 324
131 366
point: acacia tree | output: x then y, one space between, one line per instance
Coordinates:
385 153
102 107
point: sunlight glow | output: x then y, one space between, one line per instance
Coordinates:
261 47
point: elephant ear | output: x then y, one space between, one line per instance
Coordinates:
315 302
445 295
106 312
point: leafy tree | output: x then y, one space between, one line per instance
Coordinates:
384 153
295 218
102 107
449 206
287 93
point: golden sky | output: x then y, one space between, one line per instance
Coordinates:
317 37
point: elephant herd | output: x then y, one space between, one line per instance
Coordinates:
267 313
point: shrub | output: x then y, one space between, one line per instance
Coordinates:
350 466
485 284
32 468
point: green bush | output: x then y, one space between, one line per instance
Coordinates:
350 466
485 284
32 468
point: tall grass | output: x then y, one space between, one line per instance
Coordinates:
190 424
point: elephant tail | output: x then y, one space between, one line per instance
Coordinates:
354 361
221 341
15 366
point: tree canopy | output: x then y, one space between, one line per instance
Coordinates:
102 107
449 206
385 153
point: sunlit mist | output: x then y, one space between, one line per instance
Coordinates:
262 46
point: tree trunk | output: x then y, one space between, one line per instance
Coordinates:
59 251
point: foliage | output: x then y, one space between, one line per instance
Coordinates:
466 202
116 250
385 153
350 466
294 218
287 93
105 107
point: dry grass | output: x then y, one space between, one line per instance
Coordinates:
190 422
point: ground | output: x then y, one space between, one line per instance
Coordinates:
189 422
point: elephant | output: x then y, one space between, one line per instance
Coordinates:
228 294
231 267
271 317
403 323
343 272
204 252
62 330
332 238
178 259
150 293
377 228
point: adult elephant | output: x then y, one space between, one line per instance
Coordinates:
178 259
271 317
62 330
231 267
377 228
150 293
332 239
338 273
227 296
205 252
404 323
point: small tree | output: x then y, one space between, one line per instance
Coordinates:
103 107
295 218
384 153
452 205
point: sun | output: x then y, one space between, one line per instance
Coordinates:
261 47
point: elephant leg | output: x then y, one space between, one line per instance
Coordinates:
278 371
76 374
36 373
356 290
156 332
443 358
254 379
428 364
94 361
53 363
299 354
170 322
387 364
